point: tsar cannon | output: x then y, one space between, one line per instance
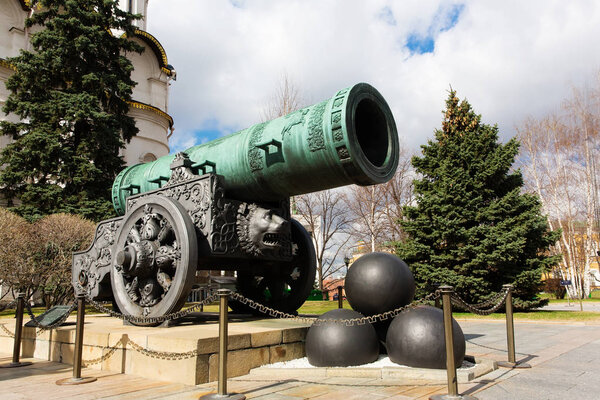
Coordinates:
225 206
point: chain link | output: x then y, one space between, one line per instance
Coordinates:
153 320
163 355
315 321
500 298
56 324
103 357
491 300
9 333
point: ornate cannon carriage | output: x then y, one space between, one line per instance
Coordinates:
225 205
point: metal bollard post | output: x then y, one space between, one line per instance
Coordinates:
510 334
77 379
222 375
340 297
18 335
449 339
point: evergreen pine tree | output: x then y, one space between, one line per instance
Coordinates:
71 92
471 227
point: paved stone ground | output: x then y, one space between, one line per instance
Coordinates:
565 361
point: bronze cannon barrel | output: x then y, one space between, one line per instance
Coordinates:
349 138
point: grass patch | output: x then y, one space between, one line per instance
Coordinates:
321 306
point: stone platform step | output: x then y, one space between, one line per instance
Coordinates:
112 346
396 373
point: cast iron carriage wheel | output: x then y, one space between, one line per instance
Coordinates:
286 286
156 255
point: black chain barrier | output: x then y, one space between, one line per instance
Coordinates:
162 355
7 331
106 356
499 299
212 297
315 321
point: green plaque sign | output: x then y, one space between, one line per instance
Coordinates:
51 316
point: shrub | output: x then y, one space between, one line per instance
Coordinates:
37 256
553 286
17 252
61 235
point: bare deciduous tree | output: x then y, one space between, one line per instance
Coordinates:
558 160
287 98
376 210
325 216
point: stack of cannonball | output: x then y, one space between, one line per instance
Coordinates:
377 283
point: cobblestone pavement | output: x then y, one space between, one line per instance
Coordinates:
565 360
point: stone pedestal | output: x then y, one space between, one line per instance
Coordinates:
251 344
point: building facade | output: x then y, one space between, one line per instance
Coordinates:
152 72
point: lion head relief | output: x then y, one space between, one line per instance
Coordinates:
259 229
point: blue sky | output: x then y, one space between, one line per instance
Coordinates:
510 59
444 19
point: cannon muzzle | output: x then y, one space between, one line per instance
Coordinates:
349 138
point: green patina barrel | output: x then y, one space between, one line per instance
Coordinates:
349 138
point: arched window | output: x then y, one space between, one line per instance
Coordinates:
147 157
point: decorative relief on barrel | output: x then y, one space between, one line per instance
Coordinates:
316 139
343 153
255 158
336 116
294 119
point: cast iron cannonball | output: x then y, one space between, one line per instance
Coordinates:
379 282
334 344
415 338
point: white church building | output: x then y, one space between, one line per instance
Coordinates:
152 72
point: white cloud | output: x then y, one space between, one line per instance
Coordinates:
509 58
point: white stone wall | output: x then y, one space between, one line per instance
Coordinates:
151 89
151 141
12 28
152 82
